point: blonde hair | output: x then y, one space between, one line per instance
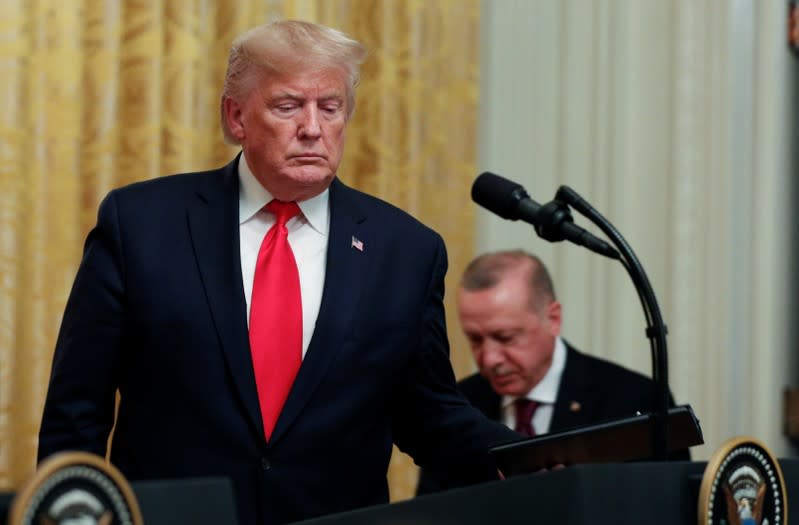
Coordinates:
288 46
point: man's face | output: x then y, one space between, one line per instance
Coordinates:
511 344
291 129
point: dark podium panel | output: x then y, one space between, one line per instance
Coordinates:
187 501
192 501
651 493
615 441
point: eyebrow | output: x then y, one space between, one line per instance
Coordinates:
298 96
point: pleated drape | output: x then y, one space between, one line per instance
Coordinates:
100 93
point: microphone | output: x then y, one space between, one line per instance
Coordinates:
552 221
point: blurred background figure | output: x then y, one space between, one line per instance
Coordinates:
529 377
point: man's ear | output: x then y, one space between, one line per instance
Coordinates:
554 316
233 117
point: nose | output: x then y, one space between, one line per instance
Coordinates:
309 127
491 355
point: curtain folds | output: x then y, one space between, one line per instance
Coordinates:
101 93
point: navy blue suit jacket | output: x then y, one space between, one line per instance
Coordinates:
591 390
158 312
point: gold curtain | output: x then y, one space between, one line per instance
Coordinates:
100 93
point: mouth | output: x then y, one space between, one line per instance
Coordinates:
501 377
308 157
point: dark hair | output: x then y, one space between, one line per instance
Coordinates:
487 270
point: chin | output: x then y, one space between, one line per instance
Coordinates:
505 390
301 186
311 176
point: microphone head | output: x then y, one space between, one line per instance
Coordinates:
498 194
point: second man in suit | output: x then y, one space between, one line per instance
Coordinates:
529 377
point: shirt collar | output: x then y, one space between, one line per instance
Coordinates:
546 391
253 197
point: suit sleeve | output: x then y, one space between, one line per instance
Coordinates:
432 421
79 407
428 483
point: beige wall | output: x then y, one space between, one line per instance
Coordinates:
672 119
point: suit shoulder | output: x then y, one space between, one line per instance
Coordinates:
474 386
472 381
608 370
401 221
167 184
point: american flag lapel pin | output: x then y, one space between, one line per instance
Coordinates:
357 243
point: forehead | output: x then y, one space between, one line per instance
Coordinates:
494 308
512 291
325 82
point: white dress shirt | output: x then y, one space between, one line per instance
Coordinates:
545 393
308 237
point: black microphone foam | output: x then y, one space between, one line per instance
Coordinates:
552 221
498 195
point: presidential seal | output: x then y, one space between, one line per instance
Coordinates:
742 485
75 488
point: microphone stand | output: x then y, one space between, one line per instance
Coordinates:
551 216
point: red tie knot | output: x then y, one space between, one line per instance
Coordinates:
283 211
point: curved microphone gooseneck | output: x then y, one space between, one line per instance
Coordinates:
656 329
554 222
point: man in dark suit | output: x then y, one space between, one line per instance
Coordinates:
529 378
263 321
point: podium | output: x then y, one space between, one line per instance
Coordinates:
621 493
653 493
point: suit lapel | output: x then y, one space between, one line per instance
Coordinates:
213 219
344 278
574 405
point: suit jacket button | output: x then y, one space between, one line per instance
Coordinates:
265 464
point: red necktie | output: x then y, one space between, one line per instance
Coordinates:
276 317
525 408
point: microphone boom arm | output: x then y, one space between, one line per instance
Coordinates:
656 329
